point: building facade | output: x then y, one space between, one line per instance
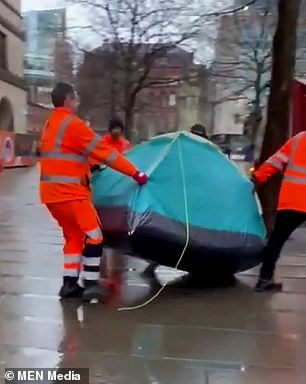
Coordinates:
37 116
12 84
195 96
48 56
242 67
243 61
171 100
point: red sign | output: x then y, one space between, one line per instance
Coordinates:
7 148
16 150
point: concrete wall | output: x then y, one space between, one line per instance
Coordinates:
15 51
36 118
17 98
16 4
224 121
12 84
11 13
194 106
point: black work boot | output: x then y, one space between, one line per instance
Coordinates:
264 285
94 292
70 288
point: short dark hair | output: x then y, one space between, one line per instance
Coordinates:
199 129
60 92
115 123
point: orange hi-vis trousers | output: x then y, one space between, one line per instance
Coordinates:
82 237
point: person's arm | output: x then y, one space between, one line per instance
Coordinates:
97 151
127 146
276 163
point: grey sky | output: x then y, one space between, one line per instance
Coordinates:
39 4
74 19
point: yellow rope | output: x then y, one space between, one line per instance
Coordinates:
186 242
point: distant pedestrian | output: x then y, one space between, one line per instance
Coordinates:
291 212
199 130
115 137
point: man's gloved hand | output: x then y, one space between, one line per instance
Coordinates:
141 178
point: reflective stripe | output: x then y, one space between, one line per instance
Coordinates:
81 279
60 133
112 157
71 272
296 168
60 179
64 156
91 261
278 160
295 180
296 141
95 234
92 145
92 276
56 154
275 163
291 166
72 259
281 156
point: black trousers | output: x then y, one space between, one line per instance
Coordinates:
285 223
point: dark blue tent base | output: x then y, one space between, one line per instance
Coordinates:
162 241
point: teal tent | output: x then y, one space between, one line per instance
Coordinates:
196 199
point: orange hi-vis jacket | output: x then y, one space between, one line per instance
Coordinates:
291 160
67 148
121 144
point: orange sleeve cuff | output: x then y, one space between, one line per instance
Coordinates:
264 172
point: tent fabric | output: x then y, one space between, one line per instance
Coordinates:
189 180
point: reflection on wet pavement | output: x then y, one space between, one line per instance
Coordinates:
202 336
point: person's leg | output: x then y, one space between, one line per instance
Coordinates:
73 244
285 223
73 247
87 219
72 252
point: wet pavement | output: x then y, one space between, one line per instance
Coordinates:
187 335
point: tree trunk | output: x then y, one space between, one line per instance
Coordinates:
255 120
128 123
256 116
278 119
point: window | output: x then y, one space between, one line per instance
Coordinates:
190 102
172 100
163 61
164 100
172 122
3 51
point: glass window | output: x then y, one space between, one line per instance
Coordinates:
172 99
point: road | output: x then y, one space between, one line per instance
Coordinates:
187 335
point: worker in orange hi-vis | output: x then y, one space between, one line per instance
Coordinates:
290 159
114 138
67 149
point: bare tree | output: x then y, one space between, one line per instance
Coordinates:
136 36
63 60
243 60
